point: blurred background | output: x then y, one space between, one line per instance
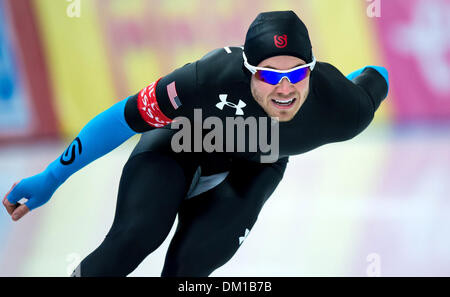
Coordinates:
375 205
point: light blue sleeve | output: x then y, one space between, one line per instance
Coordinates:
383 71
101 135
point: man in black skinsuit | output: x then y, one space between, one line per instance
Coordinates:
217 195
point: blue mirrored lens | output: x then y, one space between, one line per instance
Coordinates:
274 78
298 75
269 77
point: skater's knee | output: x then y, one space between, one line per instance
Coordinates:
135 239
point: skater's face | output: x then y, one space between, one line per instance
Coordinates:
284 99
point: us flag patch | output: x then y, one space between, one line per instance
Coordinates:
173 96
149 108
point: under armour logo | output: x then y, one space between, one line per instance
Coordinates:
242 238
239 106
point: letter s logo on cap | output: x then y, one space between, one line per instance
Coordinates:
280 41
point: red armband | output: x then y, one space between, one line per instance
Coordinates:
149 108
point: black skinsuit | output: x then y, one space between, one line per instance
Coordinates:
156 181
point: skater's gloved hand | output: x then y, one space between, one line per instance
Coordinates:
37 190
